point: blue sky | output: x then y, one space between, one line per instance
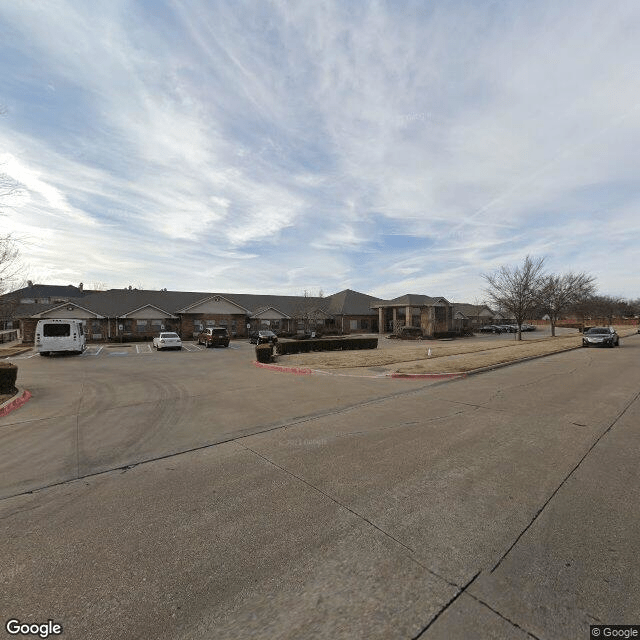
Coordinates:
388 147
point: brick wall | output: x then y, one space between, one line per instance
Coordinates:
236 324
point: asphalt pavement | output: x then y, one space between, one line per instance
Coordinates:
196 496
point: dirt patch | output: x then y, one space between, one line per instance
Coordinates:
445 357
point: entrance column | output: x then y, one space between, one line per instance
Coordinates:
407 317
395 319
380 321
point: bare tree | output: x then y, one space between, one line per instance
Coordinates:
308 312
559 292
9 266
515 289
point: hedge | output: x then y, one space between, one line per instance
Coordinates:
8 376
264 353
326 344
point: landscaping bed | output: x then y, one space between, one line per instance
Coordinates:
463 355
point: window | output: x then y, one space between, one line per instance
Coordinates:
353 325
141 326
56 330
210 323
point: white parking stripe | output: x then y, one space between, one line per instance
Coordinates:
89 352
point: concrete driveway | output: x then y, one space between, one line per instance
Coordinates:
503 505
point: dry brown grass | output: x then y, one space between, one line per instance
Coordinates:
7 352
446 357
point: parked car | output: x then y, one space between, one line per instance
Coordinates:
167 340
509 328
214 337
262 336
600 337
491 328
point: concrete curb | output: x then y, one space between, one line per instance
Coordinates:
507 364
428 376
14 403
303 371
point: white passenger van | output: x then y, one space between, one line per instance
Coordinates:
58 335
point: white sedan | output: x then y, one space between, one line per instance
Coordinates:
167 340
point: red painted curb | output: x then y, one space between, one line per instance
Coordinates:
274 367
433 376
14 404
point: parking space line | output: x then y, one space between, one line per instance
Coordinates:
143 348
89 352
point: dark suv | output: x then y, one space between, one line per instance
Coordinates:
214 337
262 336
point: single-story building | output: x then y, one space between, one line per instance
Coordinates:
433 315
135 314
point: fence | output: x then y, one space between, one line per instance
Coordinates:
10 335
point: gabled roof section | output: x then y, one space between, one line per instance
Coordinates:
31 310
470 310
147 306
413 300
117 303
67 306
290 305
212 298
350 303
260 311
38 291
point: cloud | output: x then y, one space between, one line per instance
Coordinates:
229 146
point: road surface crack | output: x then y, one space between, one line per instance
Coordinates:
566 478
458 593
511 622
342 505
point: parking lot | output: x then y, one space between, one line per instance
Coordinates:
117 405
134 349
286 505
191 495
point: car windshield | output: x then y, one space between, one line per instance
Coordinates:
597 330
168 335
219 331
266 333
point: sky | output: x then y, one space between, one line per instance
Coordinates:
281 147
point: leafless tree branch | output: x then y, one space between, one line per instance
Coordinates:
515 289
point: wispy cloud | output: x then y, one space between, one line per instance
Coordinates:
282 146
